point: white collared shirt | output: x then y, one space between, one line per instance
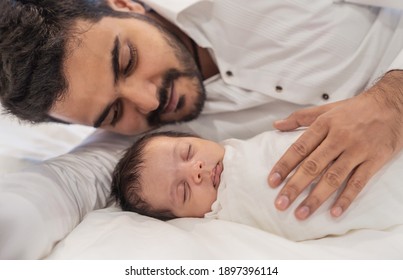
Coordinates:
303 52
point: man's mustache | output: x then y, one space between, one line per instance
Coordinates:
169 77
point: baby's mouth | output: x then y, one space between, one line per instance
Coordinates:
216 174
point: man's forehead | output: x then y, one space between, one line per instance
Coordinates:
88 70
95 37
84 29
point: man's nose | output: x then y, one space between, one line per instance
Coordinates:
142 94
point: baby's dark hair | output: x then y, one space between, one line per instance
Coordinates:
126 178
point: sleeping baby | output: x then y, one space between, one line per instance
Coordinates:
168 175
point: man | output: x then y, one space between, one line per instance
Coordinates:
132 72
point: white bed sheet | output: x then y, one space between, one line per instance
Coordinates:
112 234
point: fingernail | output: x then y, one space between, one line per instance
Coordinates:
303 212
336 211
275 179
282 202
279 122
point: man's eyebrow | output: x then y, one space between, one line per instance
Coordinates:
103 115
115 69
115 59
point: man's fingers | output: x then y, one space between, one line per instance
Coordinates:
354 186
297 152
306 173
331 180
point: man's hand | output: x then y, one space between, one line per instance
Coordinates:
347 140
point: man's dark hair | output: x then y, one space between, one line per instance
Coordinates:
34 35
126 179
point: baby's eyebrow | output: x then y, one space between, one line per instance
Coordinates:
172 195
173 192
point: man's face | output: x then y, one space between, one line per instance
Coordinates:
181 174
128 76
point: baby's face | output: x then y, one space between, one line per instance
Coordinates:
181 174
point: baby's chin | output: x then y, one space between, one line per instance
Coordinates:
210 206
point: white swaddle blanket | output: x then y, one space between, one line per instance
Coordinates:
245 197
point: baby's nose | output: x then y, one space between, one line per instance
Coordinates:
199 172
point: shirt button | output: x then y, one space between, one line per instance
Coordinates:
229 73
325 96
279 88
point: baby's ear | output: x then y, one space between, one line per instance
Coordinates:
126 6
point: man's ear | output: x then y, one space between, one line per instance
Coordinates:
126 6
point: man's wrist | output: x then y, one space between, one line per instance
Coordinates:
392 87
388 94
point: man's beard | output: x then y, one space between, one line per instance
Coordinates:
189 71
154 119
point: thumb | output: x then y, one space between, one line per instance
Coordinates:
303 117
297 119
